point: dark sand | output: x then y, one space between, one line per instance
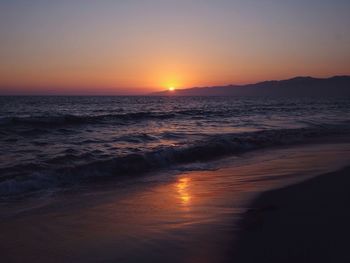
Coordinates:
191 216
306 222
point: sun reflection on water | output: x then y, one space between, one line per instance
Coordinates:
182 187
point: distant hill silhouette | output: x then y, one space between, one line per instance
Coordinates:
295 87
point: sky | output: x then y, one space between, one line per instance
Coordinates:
140 46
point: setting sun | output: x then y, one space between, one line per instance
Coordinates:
177 119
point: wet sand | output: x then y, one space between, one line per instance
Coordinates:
186 216
306 222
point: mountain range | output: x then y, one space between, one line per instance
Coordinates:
295 87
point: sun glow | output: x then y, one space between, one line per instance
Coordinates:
171 88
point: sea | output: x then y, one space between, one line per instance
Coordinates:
54 142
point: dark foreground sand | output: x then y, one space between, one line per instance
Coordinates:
307 222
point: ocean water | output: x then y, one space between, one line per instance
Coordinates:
56 142
190 216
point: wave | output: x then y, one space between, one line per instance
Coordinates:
213 147
69 119
53 121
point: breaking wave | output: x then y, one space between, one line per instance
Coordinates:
40 177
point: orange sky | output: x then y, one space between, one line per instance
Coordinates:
130 47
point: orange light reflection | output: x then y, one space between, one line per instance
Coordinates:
183 190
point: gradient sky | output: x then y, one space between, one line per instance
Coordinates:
132 46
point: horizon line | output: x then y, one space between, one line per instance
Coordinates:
78 94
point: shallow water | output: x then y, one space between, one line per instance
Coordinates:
178 216
54 142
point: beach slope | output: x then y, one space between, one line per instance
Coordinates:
306 222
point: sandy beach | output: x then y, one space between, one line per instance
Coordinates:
174 131
306 222
191 216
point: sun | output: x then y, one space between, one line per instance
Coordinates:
171 88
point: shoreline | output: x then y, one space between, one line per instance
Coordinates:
143 165
186 217
304 222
